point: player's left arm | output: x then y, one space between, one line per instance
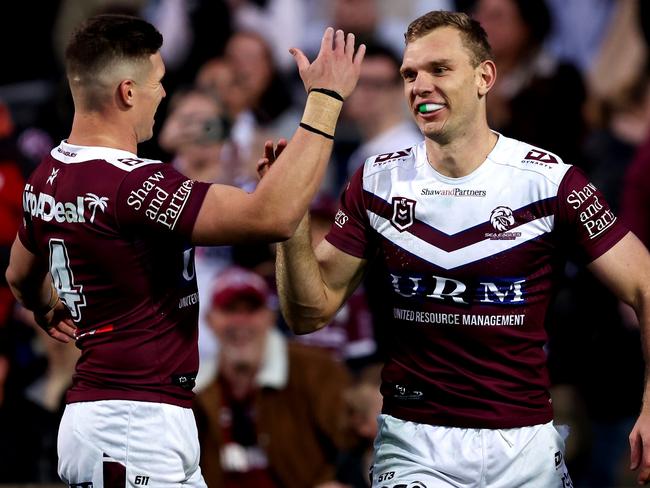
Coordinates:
625 269
31 283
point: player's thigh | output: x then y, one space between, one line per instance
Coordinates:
415 455
528 457
132 444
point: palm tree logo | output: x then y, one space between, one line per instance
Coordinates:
95 202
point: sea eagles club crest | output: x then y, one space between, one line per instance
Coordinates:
403 213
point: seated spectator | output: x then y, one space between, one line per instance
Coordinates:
196 132
35 373
255 95
268 95
363 405
11 205
377 108
272 416
530 78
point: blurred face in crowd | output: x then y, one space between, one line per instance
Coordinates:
189 132
217 76
251 61
356 16
377 91
242 327
506 30
443 88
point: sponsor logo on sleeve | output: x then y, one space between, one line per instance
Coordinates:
160 206
594 216
540 158
340 218
385 158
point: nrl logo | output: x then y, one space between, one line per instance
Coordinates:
403 213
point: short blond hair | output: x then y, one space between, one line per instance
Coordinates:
473 35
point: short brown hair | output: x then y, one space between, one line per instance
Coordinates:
104 40
473 35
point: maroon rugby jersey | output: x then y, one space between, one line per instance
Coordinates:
472 264
116 230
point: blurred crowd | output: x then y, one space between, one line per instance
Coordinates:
279 410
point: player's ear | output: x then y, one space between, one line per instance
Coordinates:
126 92
486 75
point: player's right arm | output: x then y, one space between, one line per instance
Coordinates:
313 284
31 283
274 209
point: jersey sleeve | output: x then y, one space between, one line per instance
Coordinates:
585 218
160 199
350 229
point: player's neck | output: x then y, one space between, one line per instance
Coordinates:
93 129
462 155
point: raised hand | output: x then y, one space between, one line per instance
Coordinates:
270 155
337 65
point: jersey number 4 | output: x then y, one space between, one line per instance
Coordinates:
63 278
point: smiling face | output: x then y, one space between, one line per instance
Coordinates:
242 328
444 87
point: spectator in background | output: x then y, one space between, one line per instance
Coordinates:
575 39
376 107
371 20
281 22
532 85
195 31
11 204
217 76
34 375
363 405
196 131
273 415
268 111
613 73
635 204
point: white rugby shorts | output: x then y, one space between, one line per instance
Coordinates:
118 443
413 455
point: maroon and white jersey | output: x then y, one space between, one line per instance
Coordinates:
115 230
471 264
